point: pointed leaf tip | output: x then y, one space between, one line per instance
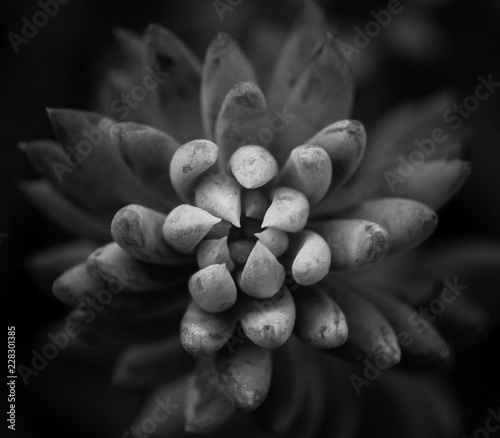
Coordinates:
289 210
263 275
219 194
186 226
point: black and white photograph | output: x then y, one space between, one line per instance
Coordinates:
251 218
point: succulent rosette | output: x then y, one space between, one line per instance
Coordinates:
250 219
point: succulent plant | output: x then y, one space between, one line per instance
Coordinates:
251 220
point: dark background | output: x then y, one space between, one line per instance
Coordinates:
442 44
